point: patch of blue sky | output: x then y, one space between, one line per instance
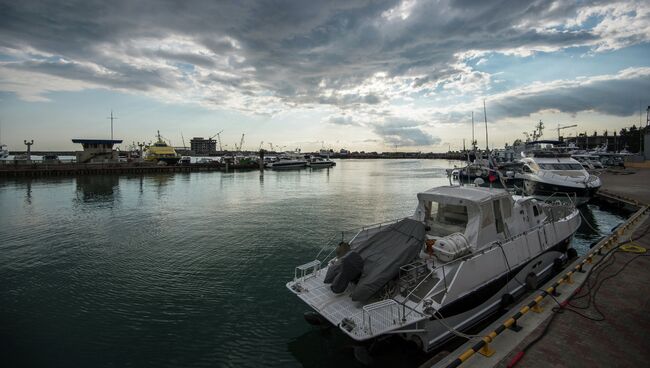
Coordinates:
186 68
589 23
8 58
85 113
514 71
38 57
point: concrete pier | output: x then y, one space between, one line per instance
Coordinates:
616 332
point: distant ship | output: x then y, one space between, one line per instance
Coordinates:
161 152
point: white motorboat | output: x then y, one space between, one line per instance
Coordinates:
588 162
548 172
288 161
466 253
318 162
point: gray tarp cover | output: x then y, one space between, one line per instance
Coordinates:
384 253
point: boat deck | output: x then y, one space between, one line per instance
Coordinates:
363 321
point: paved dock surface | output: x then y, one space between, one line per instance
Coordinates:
621 339
636 185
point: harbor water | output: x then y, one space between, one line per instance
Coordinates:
190 269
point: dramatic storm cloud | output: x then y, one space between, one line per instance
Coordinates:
380 65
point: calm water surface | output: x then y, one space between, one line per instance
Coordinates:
188 269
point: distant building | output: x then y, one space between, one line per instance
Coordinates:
201 146
97 151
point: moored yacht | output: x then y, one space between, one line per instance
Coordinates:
466 253
318 162
288 161
548 172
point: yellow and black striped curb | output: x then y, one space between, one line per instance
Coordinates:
534 305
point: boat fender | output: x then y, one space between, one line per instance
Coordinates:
572 253
558 264
351 268
531 281
506 301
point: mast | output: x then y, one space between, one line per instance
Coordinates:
487 147
112 118
473 141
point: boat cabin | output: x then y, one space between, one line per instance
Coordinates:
480 214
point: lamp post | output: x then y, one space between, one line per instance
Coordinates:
140 145
29 149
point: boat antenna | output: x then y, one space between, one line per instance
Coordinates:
487 147
112 118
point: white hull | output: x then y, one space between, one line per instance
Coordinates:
280 165
436 333
321 164
465 288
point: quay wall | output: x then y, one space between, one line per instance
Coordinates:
67 169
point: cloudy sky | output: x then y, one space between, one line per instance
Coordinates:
363 75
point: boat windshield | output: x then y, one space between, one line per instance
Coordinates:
560 166
445 219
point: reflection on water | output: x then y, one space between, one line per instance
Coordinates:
97 188
190 269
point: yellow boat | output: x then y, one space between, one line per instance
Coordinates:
161 152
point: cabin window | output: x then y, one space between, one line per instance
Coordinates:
562 166
535 211
488 215
446 219
506 208
497 216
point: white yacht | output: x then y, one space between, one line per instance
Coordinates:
548 172
467 252
292 160
318 162
588 161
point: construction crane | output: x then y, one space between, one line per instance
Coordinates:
183 139
219 140
564 127
218 135
241 142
